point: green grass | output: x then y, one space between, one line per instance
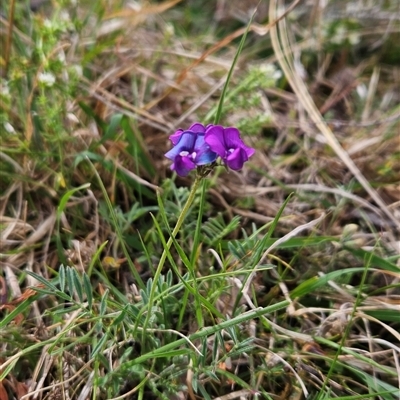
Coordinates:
119 279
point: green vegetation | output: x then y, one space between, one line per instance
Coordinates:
121 280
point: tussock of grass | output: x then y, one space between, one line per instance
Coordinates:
282 281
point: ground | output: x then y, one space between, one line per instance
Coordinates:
121 279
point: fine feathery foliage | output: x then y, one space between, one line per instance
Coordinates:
199 200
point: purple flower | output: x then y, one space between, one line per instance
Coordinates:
190 150
196 128
226 142
174 138
200 145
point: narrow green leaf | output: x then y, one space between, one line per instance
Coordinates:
136 146
88 110
99 345
63 295
236 251
43 280
112 128
78 285
7 370
95 258
240 319
117 228
385 315
122 315
262 244
187 264
230 73
144 296
60 209
203 391
20 309
295 242
197 232
87 287
103 303
64 199
368 396
61 277
375 260
66 310
357 356
70 281
195 383
314 283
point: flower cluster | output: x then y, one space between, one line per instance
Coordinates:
200 145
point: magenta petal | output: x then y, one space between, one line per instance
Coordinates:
174 138
232 138
197 127
249 151
215 139
236 159
183 165
200 145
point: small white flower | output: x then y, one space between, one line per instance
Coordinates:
64 16
277 74
78 69
5 90
267 69
339 35
271 71
354 38
73 118
48 24
47 78
61 56
8 127
169 29
362 91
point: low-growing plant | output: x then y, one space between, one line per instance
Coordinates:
241 261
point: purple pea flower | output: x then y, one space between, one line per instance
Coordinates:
197 127
226 142
190 150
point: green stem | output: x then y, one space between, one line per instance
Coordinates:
160 266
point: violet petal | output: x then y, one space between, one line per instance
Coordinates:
183 165
215 139
186 143
232 138
236 159
197 127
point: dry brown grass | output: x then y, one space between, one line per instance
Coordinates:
332 137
